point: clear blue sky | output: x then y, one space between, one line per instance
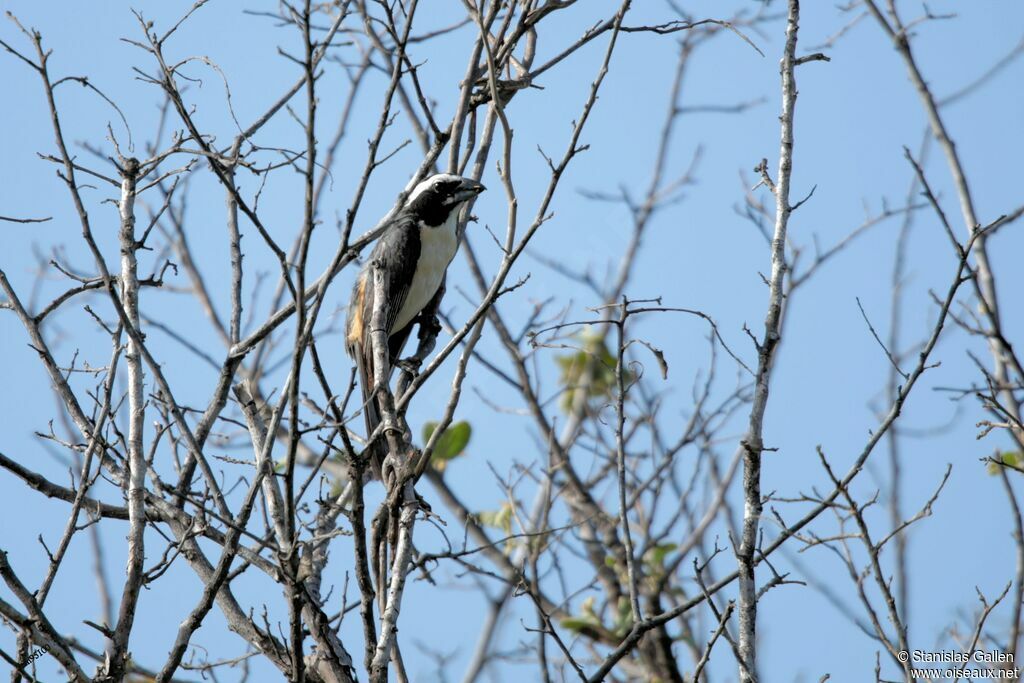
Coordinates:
854 116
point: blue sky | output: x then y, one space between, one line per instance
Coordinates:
854 116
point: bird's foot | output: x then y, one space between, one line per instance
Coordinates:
410 366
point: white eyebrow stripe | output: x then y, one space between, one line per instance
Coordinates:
428 182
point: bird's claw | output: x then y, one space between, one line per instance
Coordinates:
409 366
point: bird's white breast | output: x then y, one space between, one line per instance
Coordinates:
437 249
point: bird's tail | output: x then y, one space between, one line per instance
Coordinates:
377 450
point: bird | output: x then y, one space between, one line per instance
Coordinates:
413 252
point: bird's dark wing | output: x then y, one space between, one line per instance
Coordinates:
396 254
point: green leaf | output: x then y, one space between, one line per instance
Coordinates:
589 369
587 606
450 444
656 555
579 624
623 617
587 619
1008 458
498 519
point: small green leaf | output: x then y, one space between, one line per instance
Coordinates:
587 619
498 519
623 617
588 372
1008 458
656 555
450 444
428 430
579 624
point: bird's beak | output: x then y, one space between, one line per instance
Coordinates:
468 189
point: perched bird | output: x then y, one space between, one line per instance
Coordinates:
413 252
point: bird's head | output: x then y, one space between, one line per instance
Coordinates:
435 199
